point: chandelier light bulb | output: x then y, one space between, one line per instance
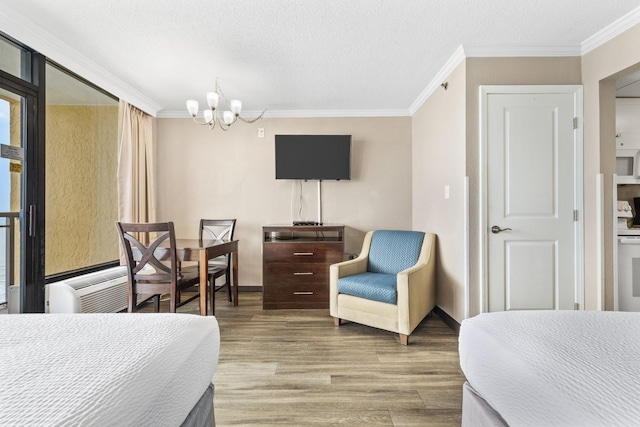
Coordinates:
212 99
208 115
236 106
228 117
192 107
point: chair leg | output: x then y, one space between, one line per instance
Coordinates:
337 321
404 339
173 296
227 278
212 296
156 303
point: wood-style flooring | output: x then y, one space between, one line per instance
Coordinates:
294 367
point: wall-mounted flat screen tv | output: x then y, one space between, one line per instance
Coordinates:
325 157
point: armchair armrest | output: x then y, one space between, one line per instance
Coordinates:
347 268
416 288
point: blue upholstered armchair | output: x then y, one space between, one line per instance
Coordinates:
390 285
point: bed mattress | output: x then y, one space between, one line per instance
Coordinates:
141 369
555 368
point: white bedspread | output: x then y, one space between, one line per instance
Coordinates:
119 369
555 368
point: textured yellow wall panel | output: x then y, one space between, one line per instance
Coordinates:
81 187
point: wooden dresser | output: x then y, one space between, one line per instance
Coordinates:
295 264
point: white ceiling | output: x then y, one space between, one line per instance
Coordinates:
293 56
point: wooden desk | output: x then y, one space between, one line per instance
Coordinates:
202 251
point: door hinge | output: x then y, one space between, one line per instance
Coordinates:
575 215
576 306
575 123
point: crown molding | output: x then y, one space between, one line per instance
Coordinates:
463 52
610 31
288 114
471 51
20 28
455 60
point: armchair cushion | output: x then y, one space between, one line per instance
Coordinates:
394 250
372 286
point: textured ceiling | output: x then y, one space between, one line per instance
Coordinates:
302 55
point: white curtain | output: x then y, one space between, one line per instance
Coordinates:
136 167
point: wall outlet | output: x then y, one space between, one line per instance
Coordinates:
446 191
260 132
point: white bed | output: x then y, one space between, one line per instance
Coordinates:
551 368
120 369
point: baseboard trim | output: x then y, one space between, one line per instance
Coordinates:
448 320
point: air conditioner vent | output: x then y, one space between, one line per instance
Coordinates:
100 292
97 277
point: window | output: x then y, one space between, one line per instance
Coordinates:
15 60
81 174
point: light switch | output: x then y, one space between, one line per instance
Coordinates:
446 191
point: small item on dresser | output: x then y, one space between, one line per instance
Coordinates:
306 223
624 213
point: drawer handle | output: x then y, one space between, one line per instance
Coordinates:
303 293
307 273
302 253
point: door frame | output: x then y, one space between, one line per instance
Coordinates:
578 179
33 185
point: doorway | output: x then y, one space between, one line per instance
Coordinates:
531 197
626 247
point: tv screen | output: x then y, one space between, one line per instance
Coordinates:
313 157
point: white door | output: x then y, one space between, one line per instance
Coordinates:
530 229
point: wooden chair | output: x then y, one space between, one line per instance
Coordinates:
146 273
218 229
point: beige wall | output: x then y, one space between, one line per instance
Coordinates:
215 174
600 68
438 133
81 196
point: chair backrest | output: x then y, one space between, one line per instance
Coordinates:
139 253
392 251
217 229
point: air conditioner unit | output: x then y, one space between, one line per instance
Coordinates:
104 291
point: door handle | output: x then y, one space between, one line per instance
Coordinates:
495 229
32 221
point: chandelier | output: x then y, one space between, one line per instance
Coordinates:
212 114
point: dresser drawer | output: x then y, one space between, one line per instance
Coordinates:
277 274
294 295
303 252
